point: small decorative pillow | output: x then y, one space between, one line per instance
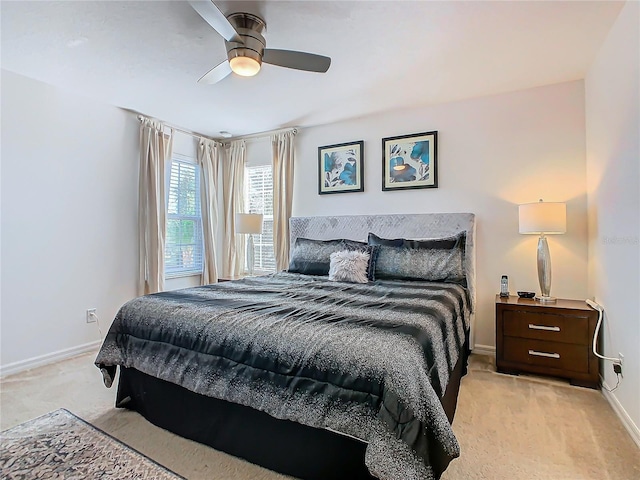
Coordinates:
372 250
349 266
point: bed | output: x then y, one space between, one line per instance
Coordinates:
304 375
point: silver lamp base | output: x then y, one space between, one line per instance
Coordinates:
250 254
542 299
544 271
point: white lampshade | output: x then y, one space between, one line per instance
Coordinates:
543 217
248 223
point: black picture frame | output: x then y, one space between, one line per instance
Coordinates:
410 161
341 168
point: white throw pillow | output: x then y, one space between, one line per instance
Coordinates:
349 266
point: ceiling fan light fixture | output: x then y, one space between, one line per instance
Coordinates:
244 66
246 46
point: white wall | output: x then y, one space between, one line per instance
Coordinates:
613 158
69 217
493 153
258 151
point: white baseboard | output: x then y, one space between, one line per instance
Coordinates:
624 417
484 350
48 358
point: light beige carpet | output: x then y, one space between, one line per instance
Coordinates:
509 427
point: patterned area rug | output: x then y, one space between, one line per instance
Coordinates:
60 445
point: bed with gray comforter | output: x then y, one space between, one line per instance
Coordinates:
371 361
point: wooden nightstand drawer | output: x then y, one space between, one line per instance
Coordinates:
563 356
546 326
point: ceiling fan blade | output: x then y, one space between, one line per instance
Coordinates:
214 17
217 73
298 60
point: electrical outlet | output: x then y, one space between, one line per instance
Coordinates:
621 357
91 312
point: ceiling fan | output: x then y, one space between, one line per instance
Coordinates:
245 44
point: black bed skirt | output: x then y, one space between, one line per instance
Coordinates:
280 445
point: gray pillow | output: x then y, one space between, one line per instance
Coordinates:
349 266
445 243
312 257
438 260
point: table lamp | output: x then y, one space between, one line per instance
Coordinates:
249 224
543 218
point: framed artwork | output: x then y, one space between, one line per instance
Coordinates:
410 161
341 168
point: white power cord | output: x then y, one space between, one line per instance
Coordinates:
615 361
600 309
93 314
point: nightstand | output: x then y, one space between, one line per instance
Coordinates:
228 279
552 339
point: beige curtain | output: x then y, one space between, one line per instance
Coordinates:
209 156
233 194
155 155
283 160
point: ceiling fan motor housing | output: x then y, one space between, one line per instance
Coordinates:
250 28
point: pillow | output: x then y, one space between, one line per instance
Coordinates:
349 266
371 250
447 243
387 242
440 259
311 257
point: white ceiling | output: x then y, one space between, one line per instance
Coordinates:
147 55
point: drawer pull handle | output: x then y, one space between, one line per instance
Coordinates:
544 354
543 327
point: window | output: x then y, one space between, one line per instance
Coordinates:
183 247
259 199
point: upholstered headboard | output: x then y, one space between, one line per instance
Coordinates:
423 225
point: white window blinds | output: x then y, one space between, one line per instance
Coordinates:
259 199
183 246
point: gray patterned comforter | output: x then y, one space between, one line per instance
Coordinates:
368 360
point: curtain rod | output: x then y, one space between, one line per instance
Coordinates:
262 134
140 116
182 130
224 141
